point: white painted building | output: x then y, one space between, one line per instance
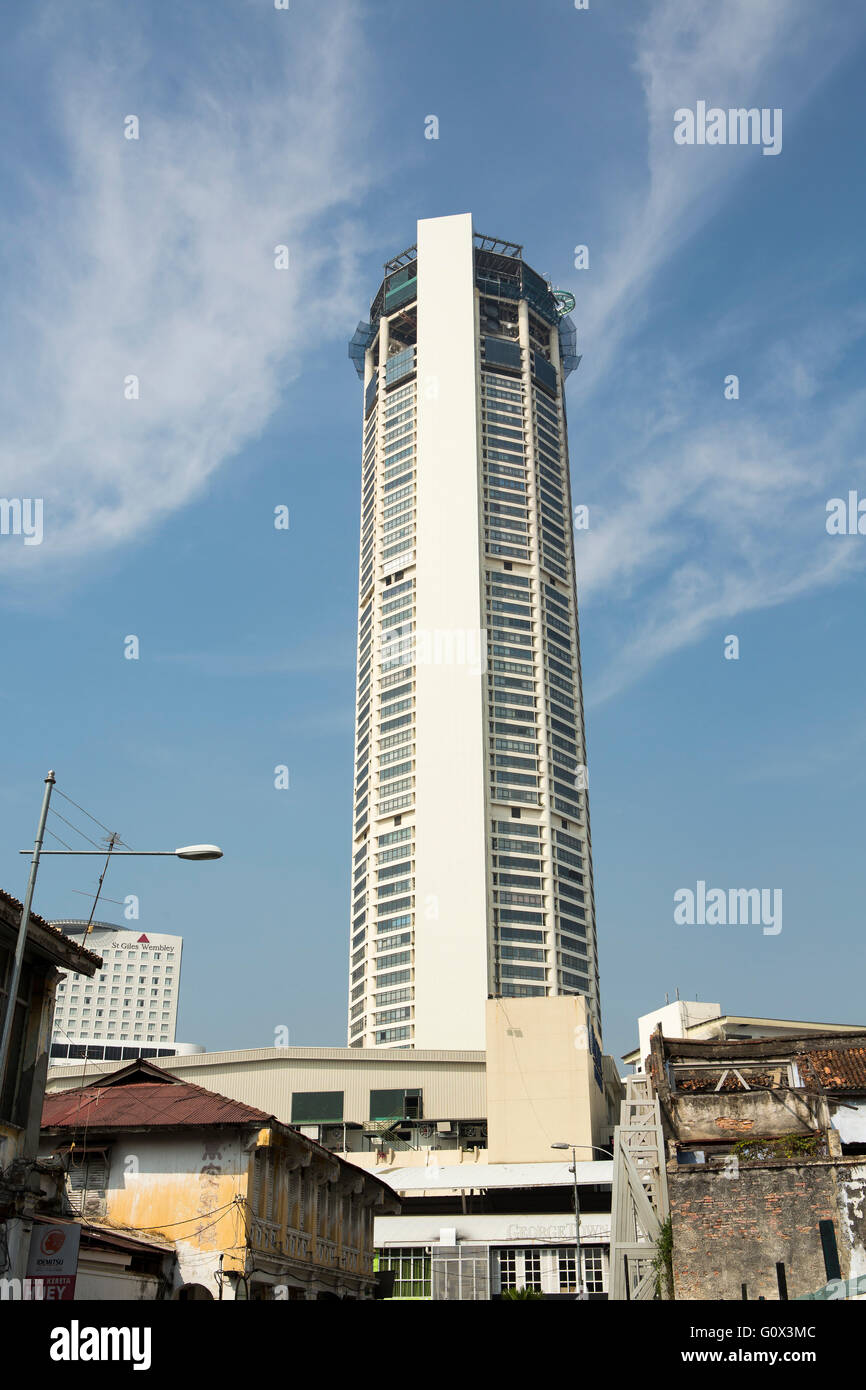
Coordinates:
129 1008
695 1018
510 1226
472 861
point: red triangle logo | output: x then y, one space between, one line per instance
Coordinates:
144 938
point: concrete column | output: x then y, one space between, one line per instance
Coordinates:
451 967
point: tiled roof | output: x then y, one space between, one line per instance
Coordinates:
34 916
834 1069
35 919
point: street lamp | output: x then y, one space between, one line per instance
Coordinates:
593 1148
185 852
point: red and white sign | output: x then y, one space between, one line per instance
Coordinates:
54 1257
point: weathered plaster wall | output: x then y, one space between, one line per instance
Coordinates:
851 1195
738 1115
183 1187
97 1285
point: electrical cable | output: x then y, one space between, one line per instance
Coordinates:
58 792
57 838
75 828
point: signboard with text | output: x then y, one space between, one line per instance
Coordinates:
53 1257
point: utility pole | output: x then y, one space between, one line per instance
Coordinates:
577 1223
22 933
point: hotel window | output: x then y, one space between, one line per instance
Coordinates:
384 1035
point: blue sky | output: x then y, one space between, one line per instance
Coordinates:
707 516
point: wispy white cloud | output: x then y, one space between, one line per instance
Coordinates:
699 518
155 258
743 53
710 521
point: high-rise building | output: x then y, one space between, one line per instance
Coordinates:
129 1008
472 862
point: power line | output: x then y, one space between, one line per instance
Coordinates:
75 828
57 838
83 893
58 792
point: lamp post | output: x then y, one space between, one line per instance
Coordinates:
22 931
185 852
593 1148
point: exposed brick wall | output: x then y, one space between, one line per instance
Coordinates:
728 1231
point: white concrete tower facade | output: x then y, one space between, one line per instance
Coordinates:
472 860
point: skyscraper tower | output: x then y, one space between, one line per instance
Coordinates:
472 861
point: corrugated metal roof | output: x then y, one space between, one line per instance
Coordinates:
121 1238
120 1101
383 1056
145 1103
476 1176
792 1026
